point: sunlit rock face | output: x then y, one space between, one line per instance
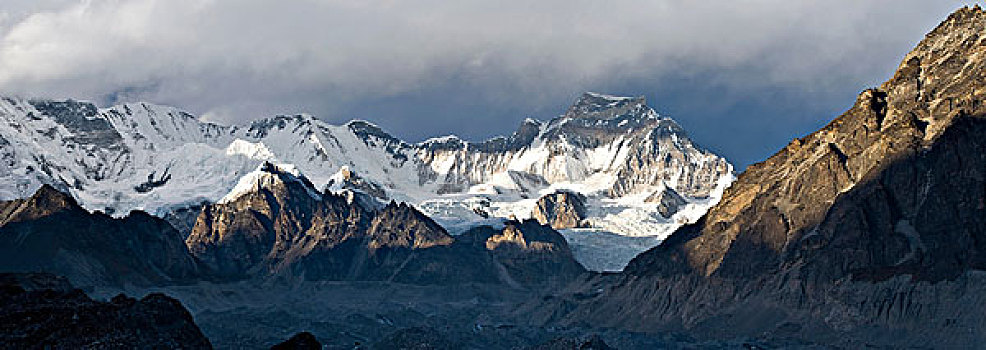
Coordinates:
276 224
865 194
561 210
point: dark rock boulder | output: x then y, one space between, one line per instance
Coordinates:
594 342
300 341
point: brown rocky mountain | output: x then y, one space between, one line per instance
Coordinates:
50 232
892 186
265 230
282 226
44 311
560 210
868 231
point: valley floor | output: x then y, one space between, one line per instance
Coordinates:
386 315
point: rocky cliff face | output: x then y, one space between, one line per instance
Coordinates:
50 232
561 210
275 224
272 218
42 311
866 231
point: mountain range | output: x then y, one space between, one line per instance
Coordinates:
615 151
866 233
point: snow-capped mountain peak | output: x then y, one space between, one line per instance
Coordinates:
616 151
269 175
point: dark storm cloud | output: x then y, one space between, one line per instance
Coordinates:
743 77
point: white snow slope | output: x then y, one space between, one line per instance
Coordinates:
139 156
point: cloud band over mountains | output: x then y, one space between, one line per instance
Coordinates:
473 68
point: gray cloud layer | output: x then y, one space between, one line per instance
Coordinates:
743 76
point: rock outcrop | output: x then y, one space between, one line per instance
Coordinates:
300 341
529 252
347 179
668 201
561 210
868 231
50 232
594 342
43 311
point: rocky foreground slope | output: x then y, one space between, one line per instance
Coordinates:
41 311
868 231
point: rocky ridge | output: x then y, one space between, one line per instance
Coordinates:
50 232
881 172
281 226
864 232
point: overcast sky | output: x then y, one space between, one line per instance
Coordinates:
743 77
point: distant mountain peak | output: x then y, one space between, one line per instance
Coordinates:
45 201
